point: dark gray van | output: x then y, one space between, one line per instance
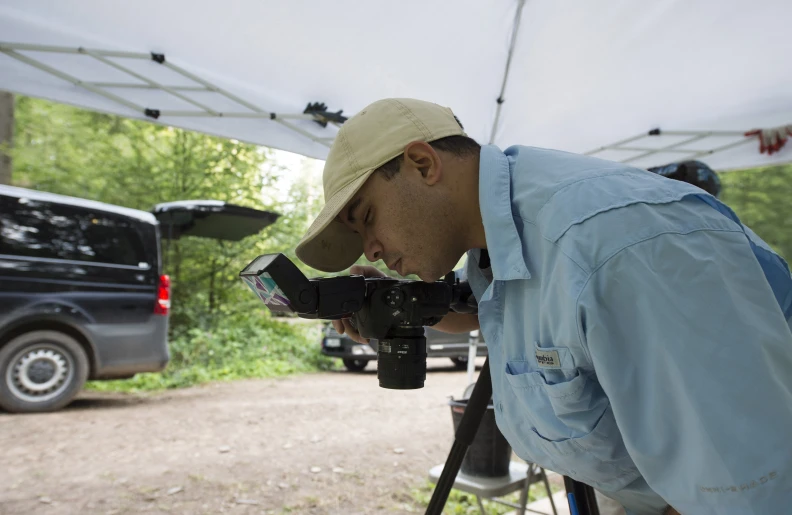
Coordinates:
82 294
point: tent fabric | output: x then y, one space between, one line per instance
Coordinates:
583 75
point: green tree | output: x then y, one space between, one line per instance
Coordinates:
762 198
6 135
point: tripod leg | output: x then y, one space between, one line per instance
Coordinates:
466 432
593 506
581 498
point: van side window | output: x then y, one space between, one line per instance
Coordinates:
38 229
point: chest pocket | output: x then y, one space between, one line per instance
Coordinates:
560 417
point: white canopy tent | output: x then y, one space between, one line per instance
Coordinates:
587 77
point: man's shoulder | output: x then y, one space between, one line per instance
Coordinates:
558 168
591 207
553 188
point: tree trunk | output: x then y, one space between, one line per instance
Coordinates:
213 268
6 135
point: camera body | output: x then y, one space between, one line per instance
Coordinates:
395 313
392 311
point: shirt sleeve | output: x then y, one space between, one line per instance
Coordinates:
695 356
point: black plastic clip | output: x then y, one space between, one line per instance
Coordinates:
322 116
152 113
158 58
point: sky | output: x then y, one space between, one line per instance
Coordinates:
295 166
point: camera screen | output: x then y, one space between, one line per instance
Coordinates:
268 291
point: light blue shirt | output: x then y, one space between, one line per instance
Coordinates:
640 338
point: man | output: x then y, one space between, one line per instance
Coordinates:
639 336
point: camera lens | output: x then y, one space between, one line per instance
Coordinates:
401 359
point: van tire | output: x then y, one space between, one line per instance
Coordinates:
31 361
355 365
460 362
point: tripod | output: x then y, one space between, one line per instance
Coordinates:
580 496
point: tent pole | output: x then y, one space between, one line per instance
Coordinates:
665 149
500 100
77 82
150 82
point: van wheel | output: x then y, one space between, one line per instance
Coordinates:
355 365
41 371
460 362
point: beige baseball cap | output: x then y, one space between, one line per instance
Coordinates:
368 140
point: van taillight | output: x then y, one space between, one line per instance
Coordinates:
163 296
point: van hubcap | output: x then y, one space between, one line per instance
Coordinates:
40 373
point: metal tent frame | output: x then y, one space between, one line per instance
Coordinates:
638 144
637 147
315 112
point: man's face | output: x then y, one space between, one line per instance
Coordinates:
406 221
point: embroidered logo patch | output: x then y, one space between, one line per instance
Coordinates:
548 358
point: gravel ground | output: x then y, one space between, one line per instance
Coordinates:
328 443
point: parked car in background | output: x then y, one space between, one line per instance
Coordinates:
82 291
356 356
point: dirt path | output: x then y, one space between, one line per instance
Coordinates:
242 447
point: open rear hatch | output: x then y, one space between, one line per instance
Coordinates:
213 219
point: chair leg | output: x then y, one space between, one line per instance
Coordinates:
549 491
481 505
525 492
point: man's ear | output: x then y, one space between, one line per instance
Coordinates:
420 156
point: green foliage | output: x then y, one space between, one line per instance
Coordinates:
461 503
240 346
130 163
762 198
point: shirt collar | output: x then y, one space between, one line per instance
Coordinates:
503 239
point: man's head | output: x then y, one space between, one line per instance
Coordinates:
401 186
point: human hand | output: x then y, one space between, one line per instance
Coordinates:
344 326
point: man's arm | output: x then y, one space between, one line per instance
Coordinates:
695 356
451 323
457 323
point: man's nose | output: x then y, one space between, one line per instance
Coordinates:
373 249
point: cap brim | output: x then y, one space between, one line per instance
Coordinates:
329 245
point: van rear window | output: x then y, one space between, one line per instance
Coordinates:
56 231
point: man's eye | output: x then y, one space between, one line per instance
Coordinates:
367 218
